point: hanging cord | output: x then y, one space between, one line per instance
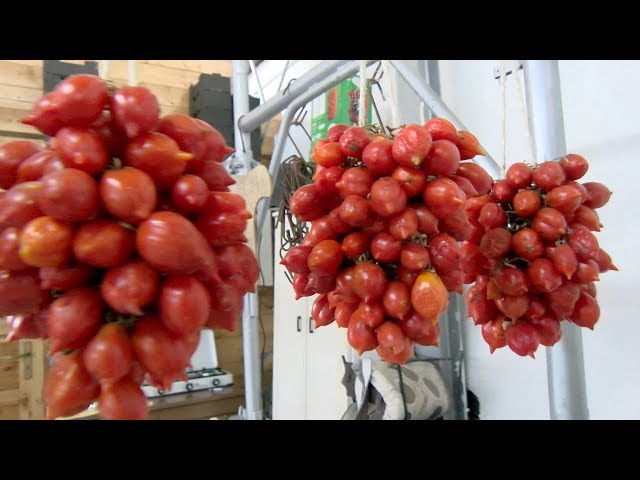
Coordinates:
362 101
525 116
393 92
296 172
503 111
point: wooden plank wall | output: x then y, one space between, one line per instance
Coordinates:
9 377
21 85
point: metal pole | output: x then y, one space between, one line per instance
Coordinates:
241 106
251 358
250 344
275 105
565 362
440 109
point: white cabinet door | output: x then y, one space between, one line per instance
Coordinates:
289 349
307 363
326 396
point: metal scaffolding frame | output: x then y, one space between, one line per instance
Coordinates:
567 392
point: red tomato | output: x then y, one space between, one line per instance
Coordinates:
189 194
170 243
68 389
184 305
360 336
355 181
19 293
369 281
354 140
429 296
109 355
519 175
443 159
81 148
73 319
574 166
123 400
135 110
414 257
18 205
411 145
164 355
78 100
103 243
70 195
356 211
443 197
441 129
404 225
526 203
387 197
378 159
10 250
12 155
128 194
355 244
157 155
329 155
325 258
385 247
130 287
45 242
468 145
598 193
523 339
65 278
397 300
412 180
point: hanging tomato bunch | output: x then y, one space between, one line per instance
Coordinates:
120 241
533 255
398 222
386 214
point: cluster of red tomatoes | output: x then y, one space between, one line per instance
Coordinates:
399 222
533 255
119 242
386 216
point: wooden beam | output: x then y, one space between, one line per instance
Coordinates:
33 371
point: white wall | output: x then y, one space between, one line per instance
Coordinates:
602 122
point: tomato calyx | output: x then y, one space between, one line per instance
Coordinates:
365 257
114 164
419 238
515 223
127 321
378 130
128 226
351 162
515 262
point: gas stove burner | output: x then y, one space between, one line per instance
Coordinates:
205 372
212 379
